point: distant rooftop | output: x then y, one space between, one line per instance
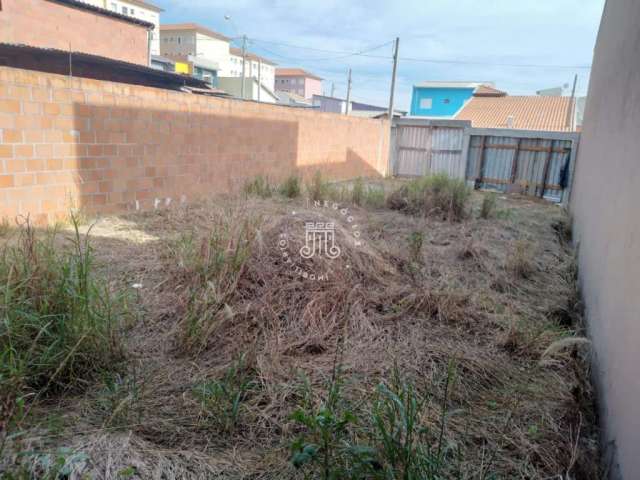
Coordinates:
147 5
487 91
104 12
250 56
173 27
452 84
295 72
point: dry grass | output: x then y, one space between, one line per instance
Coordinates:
473 294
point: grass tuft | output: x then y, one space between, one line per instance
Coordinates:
520 260
290 188
319 189
488 207
437 195
59 324
259 187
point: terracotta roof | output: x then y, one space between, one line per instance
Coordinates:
250 56
528 113
172 27
295 72
488 91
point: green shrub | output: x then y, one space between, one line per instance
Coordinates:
59 323
221 401
290 188
384 439
259 187
488 207
436 195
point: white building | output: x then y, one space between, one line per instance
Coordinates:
142 10
189 41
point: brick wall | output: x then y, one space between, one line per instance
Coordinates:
46 24
109 147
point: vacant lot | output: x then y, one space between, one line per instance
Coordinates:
442 340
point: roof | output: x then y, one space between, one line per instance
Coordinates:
292 98
85 65
104 12
528 113
487 91
172 27
147 5
250 56
295 72
452 84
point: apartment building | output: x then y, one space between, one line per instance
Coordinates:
198 45
142 10
298 81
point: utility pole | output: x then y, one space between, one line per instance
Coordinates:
348 93
571 102
244 55
333 89
259 77
393 78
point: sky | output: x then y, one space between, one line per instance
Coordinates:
466 40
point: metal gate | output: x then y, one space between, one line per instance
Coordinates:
423 147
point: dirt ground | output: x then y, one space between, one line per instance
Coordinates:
496 298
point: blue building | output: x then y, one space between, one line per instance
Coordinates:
445 99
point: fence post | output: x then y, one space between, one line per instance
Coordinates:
480 163
514 163
545 172
466 142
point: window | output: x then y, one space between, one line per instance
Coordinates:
114 6
425 103
446 101
125 10
132 12
179 39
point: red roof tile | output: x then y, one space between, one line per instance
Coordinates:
527 113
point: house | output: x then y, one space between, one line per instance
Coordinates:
298 81
520 112
445 99
72 25
326 103
142 10
209 54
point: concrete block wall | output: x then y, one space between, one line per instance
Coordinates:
108 147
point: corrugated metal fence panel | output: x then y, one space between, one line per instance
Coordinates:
473 160
413 150
446 151
499 155
423 150
511 160
531 156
